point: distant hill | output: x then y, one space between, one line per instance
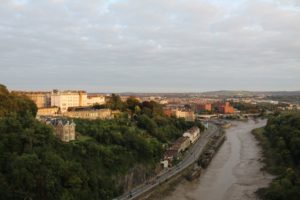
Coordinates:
283 93
228 93
220 93
250 93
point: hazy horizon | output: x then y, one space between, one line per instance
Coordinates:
150 46
141 92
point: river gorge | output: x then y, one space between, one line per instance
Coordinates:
234 173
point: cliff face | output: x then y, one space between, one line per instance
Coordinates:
137 175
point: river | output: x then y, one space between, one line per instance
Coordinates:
233 174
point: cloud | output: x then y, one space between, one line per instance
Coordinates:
130 45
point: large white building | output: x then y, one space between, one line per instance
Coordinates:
193 134
66 99
97 99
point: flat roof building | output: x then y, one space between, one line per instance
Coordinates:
95 99
226 108
68 98
204 107
40 98
90 114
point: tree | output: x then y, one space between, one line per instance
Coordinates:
115 103
132 104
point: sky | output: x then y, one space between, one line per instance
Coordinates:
150 45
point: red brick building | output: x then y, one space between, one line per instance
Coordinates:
226 108
169 112
203 107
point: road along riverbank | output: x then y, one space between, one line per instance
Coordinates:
234 173
192 170
177 171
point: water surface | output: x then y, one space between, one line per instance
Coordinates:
233 174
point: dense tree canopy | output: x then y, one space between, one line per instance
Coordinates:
36 165
12 103
282 144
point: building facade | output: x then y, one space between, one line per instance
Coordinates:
169 112
92 100
41 99
51 111
66 99
63 129
187 115
204 107
193 134
181 144
226 108
90 114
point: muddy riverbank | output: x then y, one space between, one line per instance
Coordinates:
234 172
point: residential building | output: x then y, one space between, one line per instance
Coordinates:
63 129
95 99
90 113
226 108
170 154
203 107
41 99
169 112
51 111
181 144
164 164
187 115
66 99
193 134
163 101
124 98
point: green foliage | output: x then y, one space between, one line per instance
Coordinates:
121 134
281 141
132 104
12 103
255 108
246 107
115 103
36 165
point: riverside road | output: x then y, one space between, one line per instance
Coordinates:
234 173
190 157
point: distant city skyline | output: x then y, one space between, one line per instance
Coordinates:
150 46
